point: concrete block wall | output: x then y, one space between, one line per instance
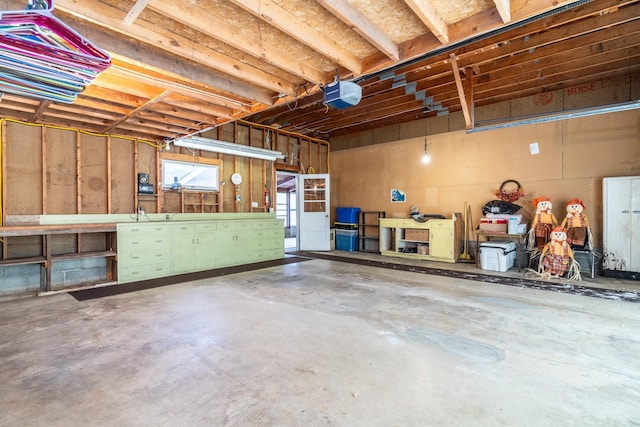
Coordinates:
27 278
19 278
77 272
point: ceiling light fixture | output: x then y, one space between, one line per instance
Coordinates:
208 144
426 158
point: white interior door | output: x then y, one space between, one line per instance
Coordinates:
313 212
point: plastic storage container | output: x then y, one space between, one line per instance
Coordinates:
347 240
348 215
497 256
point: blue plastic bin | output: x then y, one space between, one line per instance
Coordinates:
348 215
347 240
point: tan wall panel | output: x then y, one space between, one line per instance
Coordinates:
123 181
93 167
573 159
23 175
61 165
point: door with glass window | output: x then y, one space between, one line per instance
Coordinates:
313 209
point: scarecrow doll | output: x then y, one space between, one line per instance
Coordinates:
556 258
542 223
576 224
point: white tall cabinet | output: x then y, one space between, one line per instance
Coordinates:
621 226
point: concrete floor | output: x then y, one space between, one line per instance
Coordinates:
321 343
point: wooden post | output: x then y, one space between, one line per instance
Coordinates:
109 195
43 143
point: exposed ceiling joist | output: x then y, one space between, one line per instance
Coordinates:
284 21
431 18
135 11
181 67
363 26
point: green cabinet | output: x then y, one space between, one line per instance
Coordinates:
267 240
193 246
233 240
183 247
206 246
157 249
144 251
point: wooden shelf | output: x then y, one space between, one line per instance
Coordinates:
24 261
47 257
443 244
369 230
199 201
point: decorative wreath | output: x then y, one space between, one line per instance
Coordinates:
508 193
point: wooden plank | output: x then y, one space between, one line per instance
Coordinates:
3 185
463 98
283 20
194 17
136 202
431 18
38 230
158 189
43 141
23 261
93 254
78 174
192 159
363 26
109 191
109 17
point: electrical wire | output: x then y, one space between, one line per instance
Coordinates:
85 132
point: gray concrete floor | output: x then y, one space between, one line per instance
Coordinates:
321 343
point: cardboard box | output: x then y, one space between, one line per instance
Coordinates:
493 225
423 250
416 234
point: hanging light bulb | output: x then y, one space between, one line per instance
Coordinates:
426 158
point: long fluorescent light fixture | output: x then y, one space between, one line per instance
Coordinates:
207 144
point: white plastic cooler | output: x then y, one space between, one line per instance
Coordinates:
497 256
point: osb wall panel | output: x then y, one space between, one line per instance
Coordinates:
574 157
23 158
123 179
61 165
93 174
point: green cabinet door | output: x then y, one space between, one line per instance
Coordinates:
233 245
183 247
206 250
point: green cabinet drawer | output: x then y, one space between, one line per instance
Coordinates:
271 233
268 255
185 227
143 272
262 245
136 242
149 228
206 227
231 225
154 256
266 224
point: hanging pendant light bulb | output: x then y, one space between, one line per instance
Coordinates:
426 158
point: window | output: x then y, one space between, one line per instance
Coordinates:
286 208
189 176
